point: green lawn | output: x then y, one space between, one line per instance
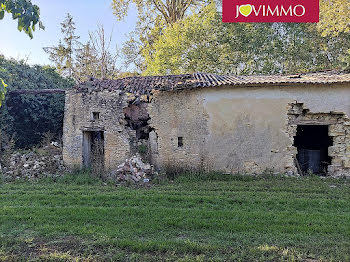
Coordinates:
232 218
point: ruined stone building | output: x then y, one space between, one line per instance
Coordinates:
246 124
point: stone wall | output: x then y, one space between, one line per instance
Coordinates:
175 115
338 129
245 130
79 108
230 129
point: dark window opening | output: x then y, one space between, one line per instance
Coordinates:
95 115
312 142
180 141
93 150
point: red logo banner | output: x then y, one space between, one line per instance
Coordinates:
266 11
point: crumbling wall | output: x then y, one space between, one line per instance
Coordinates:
338 129
79 109
137 124
136 116
246 130
174 115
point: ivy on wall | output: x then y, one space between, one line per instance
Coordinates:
27 117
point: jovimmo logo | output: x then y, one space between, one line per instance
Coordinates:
261 11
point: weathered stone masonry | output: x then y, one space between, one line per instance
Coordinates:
122 123
78 118
338 129
231 124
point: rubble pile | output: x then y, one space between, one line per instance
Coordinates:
133 170
35 163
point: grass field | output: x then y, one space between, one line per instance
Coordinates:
227 218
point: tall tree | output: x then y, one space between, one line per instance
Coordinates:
63 54
335 22
85 62
201 42
97 58
334 17
170 10
148 29
287 47
153 17
106 56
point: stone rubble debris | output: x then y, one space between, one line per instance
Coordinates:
48 162
133 170
35 163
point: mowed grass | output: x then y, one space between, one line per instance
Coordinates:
213 218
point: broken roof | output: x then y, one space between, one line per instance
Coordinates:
139 85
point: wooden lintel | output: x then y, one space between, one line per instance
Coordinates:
36 91
92 129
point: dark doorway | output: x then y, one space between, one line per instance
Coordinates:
93 150
312 142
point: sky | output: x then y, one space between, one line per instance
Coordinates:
86 14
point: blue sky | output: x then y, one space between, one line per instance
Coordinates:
86 14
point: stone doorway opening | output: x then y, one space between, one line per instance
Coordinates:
93 150
331 129
312 143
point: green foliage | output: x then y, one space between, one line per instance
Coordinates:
2 90
170 10
335 23
27 14
153 17
334 17
202 43
97 58
28 117
142 149
62 54
80 61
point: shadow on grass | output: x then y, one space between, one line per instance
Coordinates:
152 250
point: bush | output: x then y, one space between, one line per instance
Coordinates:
28 117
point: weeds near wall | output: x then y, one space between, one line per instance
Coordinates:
97 159
47 138
142 149
173 170
7 147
